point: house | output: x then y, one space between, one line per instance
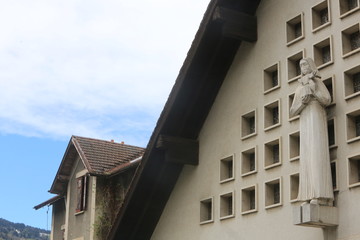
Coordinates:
90 185
223 160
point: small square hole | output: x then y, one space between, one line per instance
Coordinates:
226 205
352 82
294 29
323 53
293 64
334 175
227 169
350 40
329 84
248 162
272 153
248 200
271 78
353 126
294 187
354 171
294 146
206 211
320 15
290 101
272 115
248 124
331 133
348 6
273 193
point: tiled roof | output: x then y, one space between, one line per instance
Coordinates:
100 157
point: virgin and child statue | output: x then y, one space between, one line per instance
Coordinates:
311 98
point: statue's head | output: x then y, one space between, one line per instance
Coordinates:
307 66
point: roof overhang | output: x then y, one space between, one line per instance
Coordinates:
225 25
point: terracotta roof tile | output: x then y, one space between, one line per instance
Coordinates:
102 156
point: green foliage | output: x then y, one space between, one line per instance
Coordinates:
20 231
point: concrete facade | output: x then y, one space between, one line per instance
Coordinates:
244 95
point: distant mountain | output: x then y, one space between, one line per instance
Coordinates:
20 231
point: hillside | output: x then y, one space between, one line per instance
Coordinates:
20 231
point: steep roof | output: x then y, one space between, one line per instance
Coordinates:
100 157
225 25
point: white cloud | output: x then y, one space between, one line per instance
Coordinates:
92 68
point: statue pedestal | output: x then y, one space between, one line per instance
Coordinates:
313 215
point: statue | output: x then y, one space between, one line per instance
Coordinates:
311 98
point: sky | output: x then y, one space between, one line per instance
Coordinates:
92 68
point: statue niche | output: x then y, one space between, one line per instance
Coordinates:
311 98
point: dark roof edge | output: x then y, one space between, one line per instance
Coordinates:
205 31
48 202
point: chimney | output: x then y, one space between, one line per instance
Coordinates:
112 140
122 142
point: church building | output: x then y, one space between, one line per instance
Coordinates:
224 159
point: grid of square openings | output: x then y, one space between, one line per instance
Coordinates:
352 82
227 205
248 124
206 211
248 199
227 169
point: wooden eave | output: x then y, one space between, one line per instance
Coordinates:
225 25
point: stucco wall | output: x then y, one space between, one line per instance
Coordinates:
59 212
220 137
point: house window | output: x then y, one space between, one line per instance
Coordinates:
206 211
355 40
82 190
348 6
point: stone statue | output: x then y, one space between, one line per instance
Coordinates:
311 98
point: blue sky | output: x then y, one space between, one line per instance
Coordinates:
100 69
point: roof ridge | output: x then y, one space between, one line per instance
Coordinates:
105 141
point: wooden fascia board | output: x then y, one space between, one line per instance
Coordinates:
82 155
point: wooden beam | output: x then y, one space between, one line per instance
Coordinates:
179 150
236 24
